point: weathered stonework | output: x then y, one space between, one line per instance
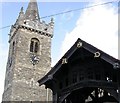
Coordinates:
21 74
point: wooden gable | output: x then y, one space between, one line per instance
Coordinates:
83 65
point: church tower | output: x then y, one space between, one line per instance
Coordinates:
29 56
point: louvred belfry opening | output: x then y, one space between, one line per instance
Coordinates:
34 45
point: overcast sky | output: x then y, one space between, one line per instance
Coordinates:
97 26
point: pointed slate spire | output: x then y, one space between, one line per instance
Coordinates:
32 11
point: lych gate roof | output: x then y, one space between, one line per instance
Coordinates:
91 49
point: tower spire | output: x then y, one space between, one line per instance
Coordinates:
32 12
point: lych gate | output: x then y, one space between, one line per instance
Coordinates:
84 74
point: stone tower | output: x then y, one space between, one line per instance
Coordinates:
29 56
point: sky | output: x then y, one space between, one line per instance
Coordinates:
97 25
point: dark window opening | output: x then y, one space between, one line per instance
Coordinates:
34 45
13 47
10 61
31 46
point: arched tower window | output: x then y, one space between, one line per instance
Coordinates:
34 45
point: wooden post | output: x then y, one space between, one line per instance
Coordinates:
55 95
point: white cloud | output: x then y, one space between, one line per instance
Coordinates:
97 26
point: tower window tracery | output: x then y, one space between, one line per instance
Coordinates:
34 45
